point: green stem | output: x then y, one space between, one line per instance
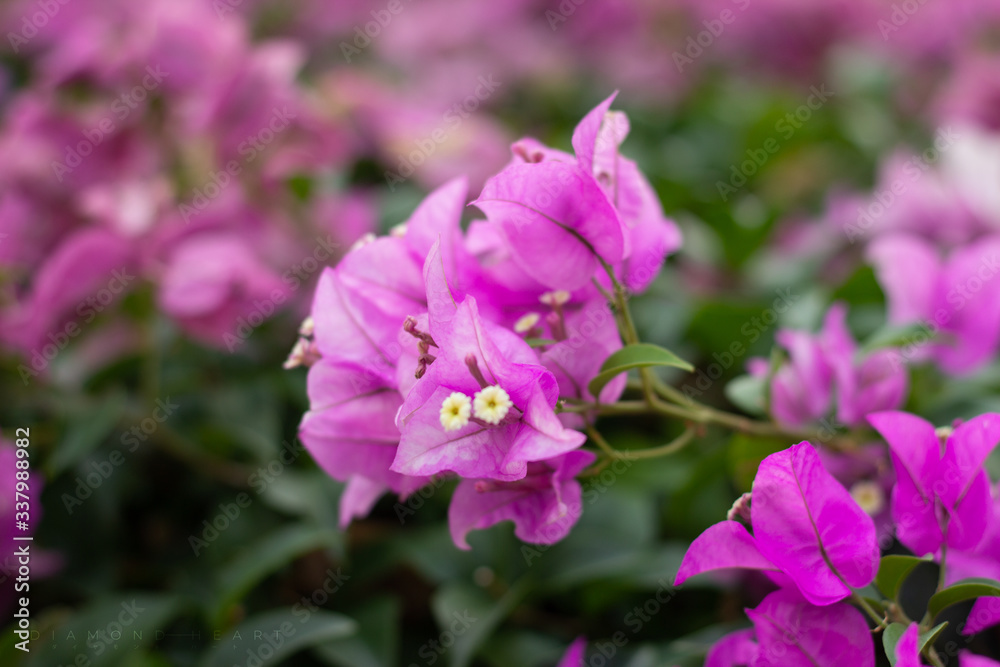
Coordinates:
944 559
880 621
933 657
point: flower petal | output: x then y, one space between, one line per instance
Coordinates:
793 633
807 524
725 545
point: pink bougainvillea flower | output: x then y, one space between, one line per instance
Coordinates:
737 649
350 431
788 631
484 408
908 648
649 235
957 298
90 271
219 290
543 505
557 220
940 496
643 236
876 381
805 526
801 389
574 654
985 614
792 632
827 368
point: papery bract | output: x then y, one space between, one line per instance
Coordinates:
957 298
791 632
737 649
808 525
805 525
556 219
939 496
464 340
543 505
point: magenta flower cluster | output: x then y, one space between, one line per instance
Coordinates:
440 352
807 533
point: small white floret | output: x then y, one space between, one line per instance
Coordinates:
526 323
455 411
491 404
869 496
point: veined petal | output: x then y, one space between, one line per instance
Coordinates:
556 219
807 524
793 633
725 545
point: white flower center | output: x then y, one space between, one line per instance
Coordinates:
526 323
555 298
869 496
491 404
455 411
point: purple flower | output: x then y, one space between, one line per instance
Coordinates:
941 496
593 205
218 290
484 408
788 631
86 275
957 298
828 367
574 654
806 526
543 505
350 431
556 219
876 381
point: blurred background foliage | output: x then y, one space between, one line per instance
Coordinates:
217 521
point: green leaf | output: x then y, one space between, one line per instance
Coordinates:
890 637
930 636
895 336
376 642
967 589
893 571
285 632
85 433
640 355
748 393
264 557
470 617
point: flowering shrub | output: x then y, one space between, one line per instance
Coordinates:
308 359
439 352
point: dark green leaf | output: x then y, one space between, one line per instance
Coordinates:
136 616
471 617
86 432
892 572
264 557
967 589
